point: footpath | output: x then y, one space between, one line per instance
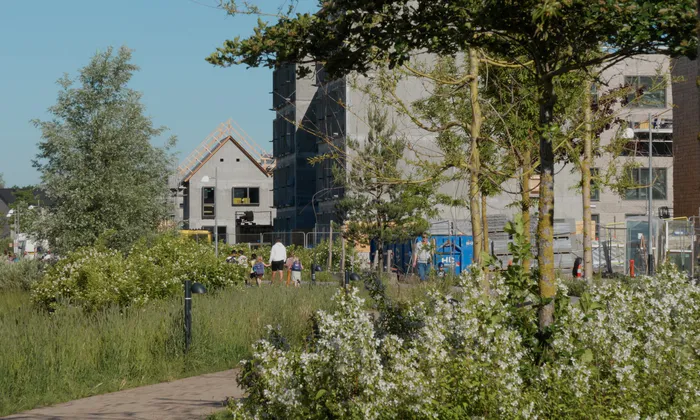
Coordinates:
190 398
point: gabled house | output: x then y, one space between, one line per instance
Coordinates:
226 184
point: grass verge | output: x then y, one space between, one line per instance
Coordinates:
51 358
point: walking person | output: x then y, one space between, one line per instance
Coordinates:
278 256
288 266
252 275
259 270
422 257
296 269
233 257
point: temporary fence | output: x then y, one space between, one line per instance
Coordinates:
679 243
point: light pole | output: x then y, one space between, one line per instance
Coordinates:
650 253
206 179
196 288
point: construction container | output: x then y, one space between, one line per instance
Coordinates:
455 252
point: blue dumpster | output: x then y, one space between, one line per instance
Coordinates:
455 252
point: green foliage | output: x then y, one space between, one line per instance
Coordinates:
96 159
97 277
382 203
622 352
307 256
21 275
51 358
354 35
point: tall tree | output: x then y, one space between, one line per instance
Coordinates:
97 163
558 36
381 204
2 181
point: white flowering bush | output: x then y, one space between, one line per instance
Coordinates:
97 277
620 352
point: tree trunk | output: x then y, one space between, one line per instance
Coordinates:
545 223
474 159
485 225
586 163
525 201
330 248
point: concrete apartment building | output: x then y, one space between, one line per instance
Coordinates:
336 110
608 207
227 182
686 136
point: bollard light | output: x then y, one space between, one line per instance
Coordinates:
198 289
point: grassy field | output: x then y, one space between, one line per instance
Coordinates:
49 358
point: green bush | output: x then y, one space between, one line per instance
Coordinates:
621 352
21 275
154 269
307 256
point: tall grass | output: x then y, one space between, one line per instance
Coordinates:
20 275
49 358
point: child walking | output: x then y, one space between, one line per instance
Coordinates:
296 272
259 270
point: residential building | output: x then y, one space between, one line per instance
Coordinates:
227 182
313 108
651 103
686 136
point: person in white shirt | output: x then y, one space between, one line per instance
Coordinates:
278 255
422 258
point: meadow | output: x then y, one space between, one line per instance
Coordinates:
48 358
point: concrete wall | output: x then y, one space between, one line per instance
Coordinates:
235 169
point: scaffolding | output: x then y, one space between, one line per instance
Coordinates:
211 143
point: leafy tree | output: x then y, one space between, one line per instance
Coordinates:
381 202
97 163
2 181
557 36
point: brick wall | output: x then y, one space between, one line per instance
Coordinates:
686 143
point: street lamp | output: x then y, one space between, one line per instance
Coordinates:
205 180
196 288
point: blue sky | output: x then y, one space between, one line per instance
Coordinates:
42 39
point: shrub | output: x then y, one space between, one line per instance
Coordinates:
620 352
21 275
154 269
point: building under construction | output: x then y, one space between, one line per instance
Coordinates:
225 186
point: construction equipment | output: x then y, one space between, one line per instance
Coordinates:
229 128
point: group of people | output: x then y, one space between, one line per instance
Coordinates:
279 263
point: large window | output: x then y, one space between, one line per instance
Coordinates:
639 178
246 196
208 203
648 91
595 191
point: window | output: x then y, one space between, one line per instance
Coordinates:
648 91
246 196
595 191
640 178
662 144
595 218
208 203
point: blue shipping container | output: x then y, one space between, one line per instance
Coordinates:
454 252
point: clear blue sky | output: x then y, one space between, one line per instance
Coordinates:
42 39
